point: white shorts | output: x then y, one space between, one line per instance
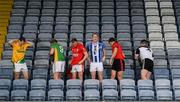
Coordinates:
18 67
58 66
96 66
76 68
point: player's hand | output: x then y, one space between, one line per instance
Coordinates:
80 62
103 59
111 62
70 61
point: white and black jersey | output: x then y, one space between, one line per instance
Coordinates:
144 53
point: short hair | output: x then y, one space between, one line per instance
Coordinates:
95 33
53 41
22 39
144 43
74 40
111 39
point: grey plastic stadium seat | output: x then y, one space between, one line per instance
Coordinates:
18 12
169 28
91 84
154 28
159 54
109 84
37 95
73 95
139 36
172 36
62 20
18 95
151 5
47 20
92 12
145 85
106 28
137 12
176 84
5 84
41 63
167 12
62 12
55 95
74 84
43 45
122 5
33 12
77 12
123 28
63 5
7 54
160 63
168 20
92 28
92 5
56 84
106 36
166 4
172 44
38 84
20 84
162 84
30 36
30 29
137 20
175 73
107 5
16 20
61 29
152 12
164 95
127 84
107 20
146 95
92 20
45 28
31 20
78 5
128 63
34 4
139 28
77 28
110 95
6 69
153 20
161 73
177 95
128 74
40 74
49 5
20 5
157 45
122 12
77 20
91 95
61 36
45 37
4 95
48 12
123 36
155 36
123 20
128 95
107 12
15 29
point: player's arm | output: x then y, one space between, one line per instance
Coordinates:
12 41
88 58
136 56
114 53
51 52
104 55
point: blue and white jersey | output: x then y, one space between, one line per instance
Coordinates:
96 51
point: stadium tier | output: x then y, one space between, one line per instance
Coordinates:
129 21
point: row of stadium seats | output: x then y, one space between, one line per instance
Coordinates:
56 90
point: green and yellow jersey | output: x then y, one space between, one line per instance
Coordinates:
58 52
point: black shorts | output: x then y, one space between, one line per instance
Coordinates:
118 65
147 64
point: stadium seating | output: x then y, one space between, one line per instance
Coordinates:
129 21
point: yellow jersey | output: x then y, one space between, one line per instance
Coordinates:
18 54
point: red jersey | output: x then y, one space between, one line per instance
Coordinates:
77 53
120 54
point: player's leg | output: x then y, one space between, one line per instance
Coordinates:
25 71
100 72
93 70
120 75
148 76
74 72
113 74
61 70
80 71
56 75
17 69
144 73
